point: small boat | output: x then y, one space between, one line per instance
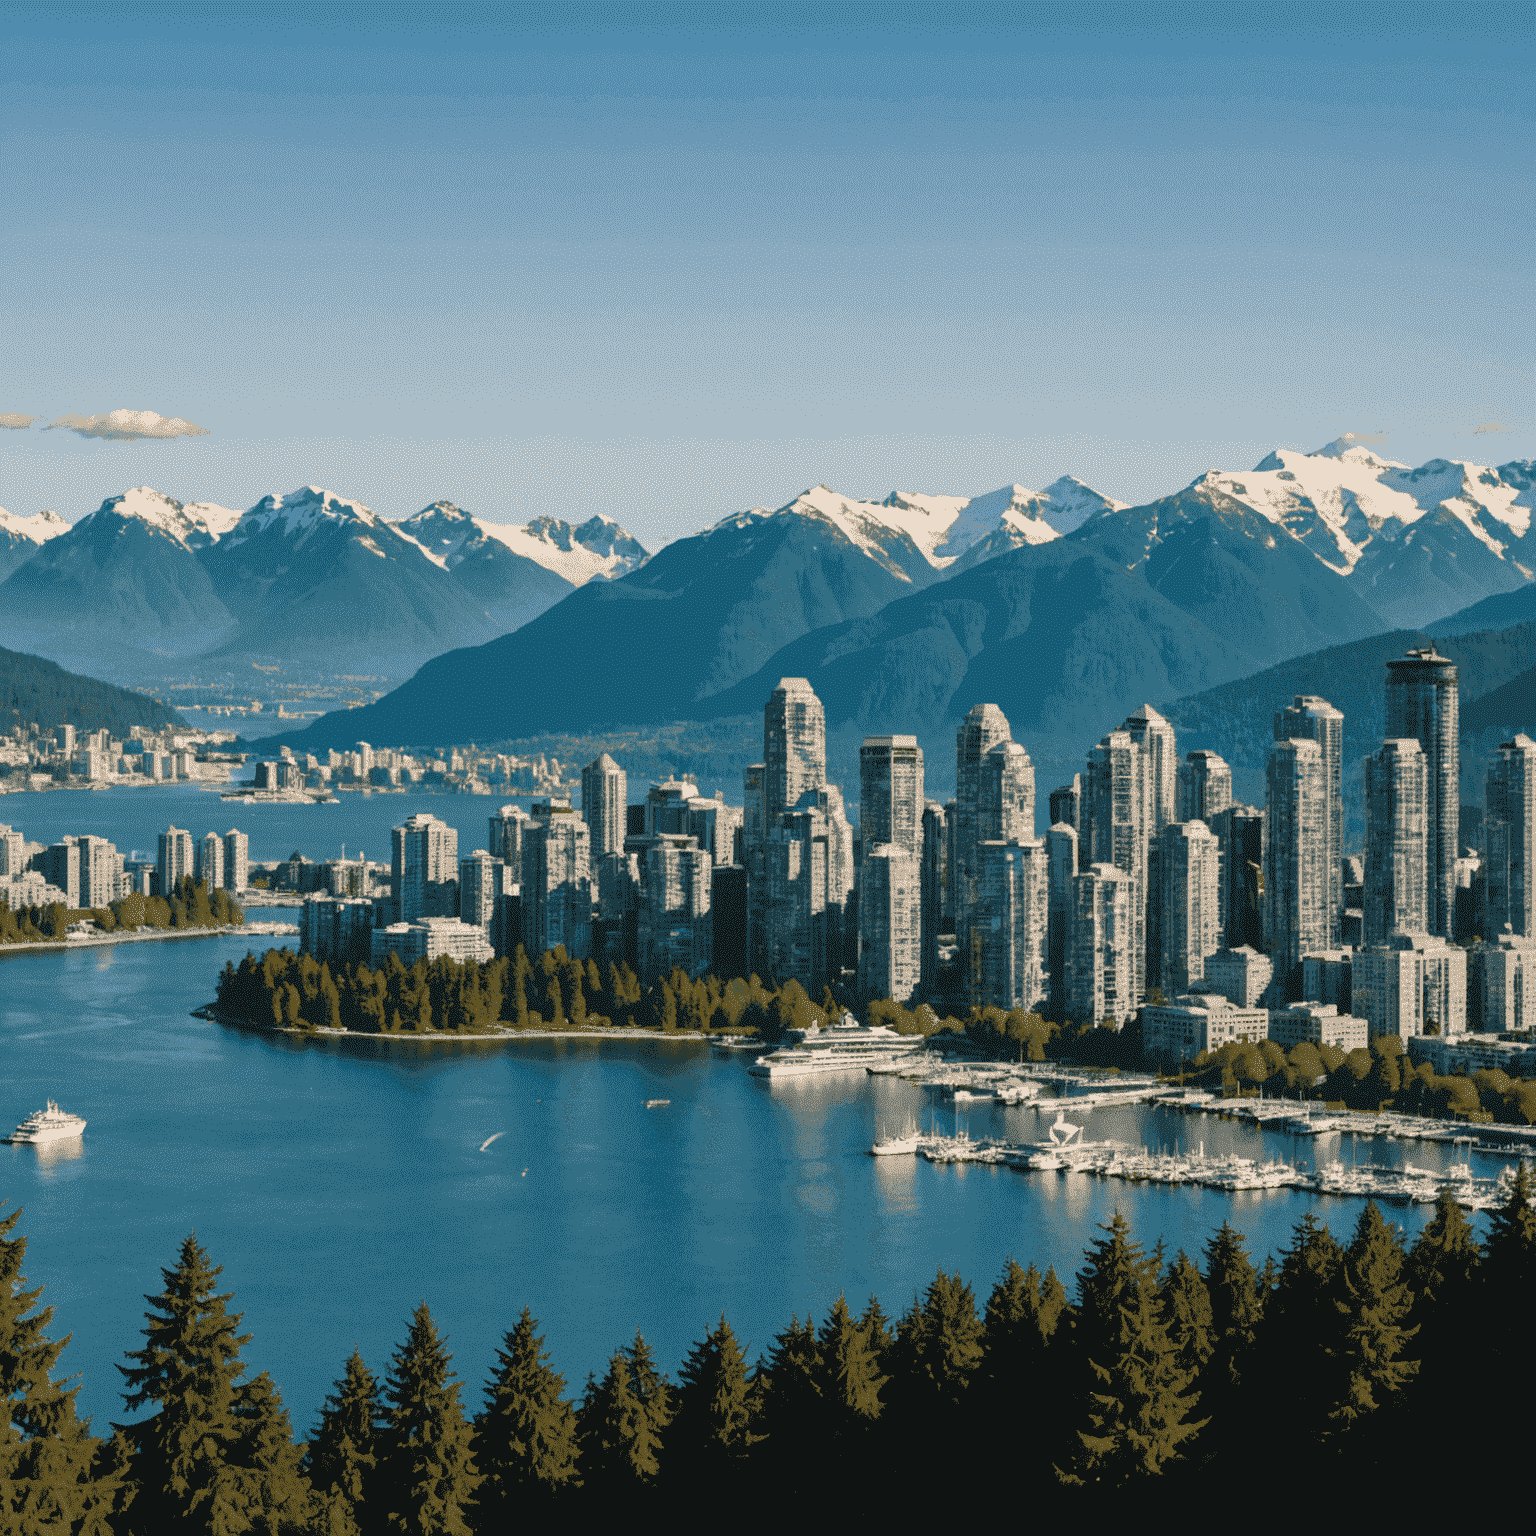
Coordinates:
657 1103
905 1141
51 1124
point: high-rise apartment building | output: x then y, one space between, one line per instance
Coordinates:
482 878
1117 820
1313 719
1005 795
1101 972
1154 735
676 925
754 813
667 807
101 872
604 799
1509 839
1396 880
424 867
506 834
1066 804
935 881
1414 984
1204 788
890 929
794 746
1008 954
1061 868
60 867
891 792
1295 876
1240 835
1501 984
1188 899
208 860
237 861
557 881
175 860
1422 703
983 728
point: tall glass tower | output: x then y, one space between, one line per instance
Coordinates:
1422 704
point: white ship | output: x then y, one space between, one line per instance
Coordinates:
905 1141
846 1046
51 1124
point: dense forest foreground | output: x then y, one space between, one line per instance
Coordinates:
282 989
1312 1377
188 906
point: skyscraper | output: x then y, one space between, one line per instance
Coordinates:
425 859
1100 968
482 878
1117 813
794 746
1509 833
101 869
1205 787
556 881
1066 803
1153 734
891 792
1061 868
209 860
604 801
1313 719
890 930
676 927
175 861
1396 881
506 834
1011 896
1005 796
981 730
237 861
1422 703
1295 880
1189 924
935 874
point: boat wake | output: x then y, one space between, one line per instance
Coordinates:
489 1139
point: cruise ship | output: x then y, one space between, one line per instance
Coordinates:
846 1046
51 1124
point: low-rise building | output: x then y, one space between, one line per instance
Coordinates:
429 937
1241 975
1319 1023
1198 1021
1448 1054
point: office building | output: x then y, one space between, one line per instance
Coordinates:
934 890
208 862
1242 975
1154 735
1395 841
556 883
604 798
1117 815
1009 931
1005 796
1422 703
1187 899
794 747
983 728
1295 877
1509 839
1204 787
1200 1021
890 927
237 861
1101 972
425 867
1501 984
891 793
175 862
1312 719
1319 1024
1414 984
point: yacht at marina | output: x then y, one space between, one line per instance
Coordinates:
846 1046
51 1124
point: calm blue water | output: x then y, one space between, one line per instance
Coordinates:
134 817
340 1182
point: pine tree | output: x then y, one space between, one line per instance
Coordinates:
847 1369
1138 1401
342 1455
525 1438
1187 1314
270 1480
1236 1308
426 1474
934 1359
188 1368
620 1437
1443 1263
1373 1304
53 1473
714 1423
1509 1268
792 1413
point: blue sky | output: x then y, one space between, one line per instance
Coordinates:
668 261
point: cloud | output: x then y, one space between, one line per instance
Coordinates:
16 421
1489 426
128 425
1365 439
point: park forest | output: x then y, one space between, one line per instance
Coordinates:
285 990
1307 1380
189 906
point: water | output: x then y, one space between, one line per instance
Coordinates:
134 816
339 1182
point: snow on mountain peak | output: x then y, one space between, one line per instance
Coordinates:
38 528
300 512
193 525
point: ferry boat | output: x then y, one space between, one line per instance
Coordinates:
51 1124
846 1046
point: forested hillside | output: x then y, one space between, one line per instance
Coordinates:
35 689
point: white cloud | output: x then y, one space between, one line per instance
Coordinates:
128 425
16 421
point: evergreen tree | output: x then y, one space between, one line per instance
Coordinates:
937 1350
1509 1268
1138 1401
426 1476
1236 1307
342 1455
847 1369
188 1368
525 1438
53 1473
270 1481
1443 1263
792 1414
714 1423
620 1440
1187 1314
1373 1303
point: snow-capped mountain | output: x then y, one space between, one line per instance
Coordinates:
22 537
192 524
598 549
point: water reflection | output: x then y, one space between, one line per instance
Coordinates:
52 1155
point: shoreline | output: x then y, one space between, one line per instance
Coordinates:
140 936
211 1013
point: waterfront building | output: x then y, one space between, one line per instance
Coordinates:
675 926
891 793
506 931
1154 735
1295 877
336 928
13 852
808 881
1422 703
890 929
424 868
1195 1022
1005 797
101 872
556 883
1395 873
1204 787
1008 954
208 862
506 834
1066 804
983 728
1319 1023
1501 984
1101 973
1117 815
1313 719
794 747
237 861
427 939
1327 976
175 861
1414 984
1187 900
59 865
934 890
1466 1054
1242 975
1509 839
604 798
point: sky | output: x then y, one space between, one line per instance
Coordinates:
668 261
